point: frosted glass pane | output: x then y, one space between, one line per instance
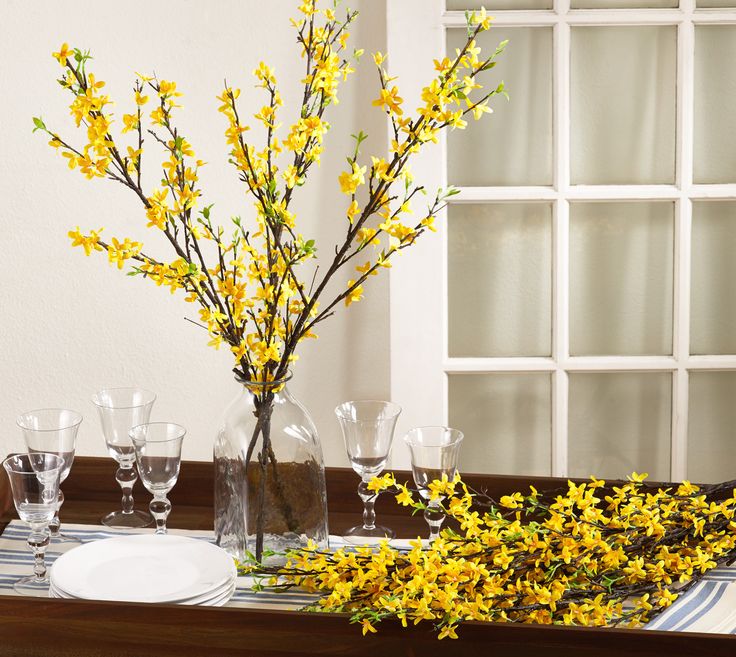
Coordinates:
713 290
514 145
621 270
715 99
507 422
620 423
621 4
500 279
711 447
716 3
623 105
492 5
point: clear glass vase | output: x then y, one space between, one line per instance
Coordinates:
270 493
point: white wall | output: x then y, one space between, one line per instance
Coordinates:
71 324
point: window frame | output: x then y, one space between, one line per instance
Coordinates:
420 364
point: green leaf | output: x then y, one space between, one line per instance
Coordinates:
40 125
500 47
206 211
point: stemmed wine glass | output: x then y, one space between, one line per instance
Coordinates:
34 480
53 431
434 452
158 454
120 410
368 430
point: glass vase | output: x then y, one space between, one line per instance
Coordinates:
270 493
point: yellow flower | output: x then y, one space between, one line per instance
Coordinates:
379 58
290 176
355 294
350 181
64 53
377 484
353 210
130 122
88 242
367 627
140 99
404 497
391 100
167 88
480 109
448 631
158 116
367 235
481 18
118 252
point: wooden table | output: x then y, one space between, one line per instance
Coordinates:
75 628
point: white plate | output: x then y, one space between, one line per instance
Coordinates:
212 595
221 598
219 601
143 568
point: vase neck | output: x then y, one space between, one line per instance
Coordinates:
264 389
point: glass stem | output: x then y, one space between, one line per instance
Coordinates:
159 508
38 540
434 517
127 476
55 523
369 501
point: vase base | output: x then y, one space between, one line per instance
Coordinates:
133 520
363 536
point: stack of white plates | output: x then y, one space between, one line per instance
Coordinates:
146 568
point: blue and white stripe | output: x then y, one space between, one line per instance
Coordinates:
16 561
710 606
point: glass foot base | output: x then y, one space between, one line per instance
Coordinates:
362 536
132 520
33 586
63 539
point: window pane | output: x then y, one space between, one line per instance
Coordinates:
493 5
620 423
713 289
716 3
711 421
621 4
507 422
715 99
621 266
500 279
623 105
514 145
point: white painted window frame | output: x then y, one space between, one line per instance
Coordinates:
420 363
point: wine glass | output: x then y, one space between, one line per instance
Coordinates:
121 409
434 452
34 480
53 431
158 454
368 430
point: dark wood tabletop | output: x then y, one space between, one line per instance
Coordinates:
76 628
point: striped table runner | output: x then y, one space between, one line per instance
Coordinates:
710 606
16 561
